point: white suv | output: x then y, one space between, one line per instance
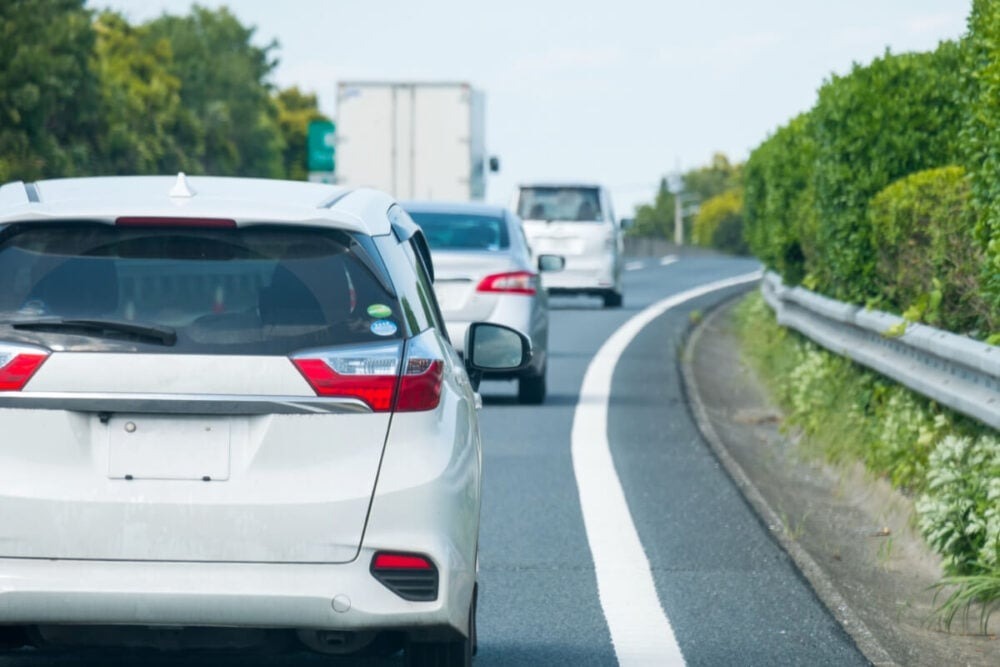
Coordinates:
574 220
230 414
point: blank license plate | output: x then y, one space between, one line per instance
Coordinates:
176 447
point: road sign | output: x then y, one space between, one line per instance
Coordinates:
321 144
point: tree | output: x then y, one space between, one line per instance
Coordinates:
656 219
48 93
296 110
230 124
140 100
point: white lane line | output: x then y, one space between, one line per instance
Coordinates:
633 266
668 260
640 630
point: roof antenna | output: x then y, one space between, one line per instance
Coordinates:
181 187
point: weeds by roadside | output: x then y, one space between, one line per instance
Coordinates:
949 464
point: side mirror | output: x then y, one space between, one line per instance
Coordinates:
626 223
551 263
494 164
493 347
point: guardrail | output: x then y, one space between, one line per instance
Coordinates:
953 370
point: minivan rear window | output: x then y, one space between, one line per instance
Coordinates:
564 204
458 231
253 290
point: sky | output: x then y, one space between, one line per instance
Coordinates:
620 92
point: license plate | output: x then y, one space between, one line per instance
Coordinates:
176 447
558 246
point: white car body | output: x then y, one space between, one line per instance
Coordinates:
591 242
144 488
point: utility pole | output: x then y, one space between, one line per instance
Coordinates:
676 186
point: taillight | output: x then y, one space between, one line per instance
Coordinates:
163 221
366 372
374 374
516 282
410 576
17 366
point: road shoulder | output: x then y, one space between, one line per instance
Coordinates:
851 536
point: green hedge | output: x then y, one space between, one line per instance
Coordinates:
896 116
926 255
719 223
981 135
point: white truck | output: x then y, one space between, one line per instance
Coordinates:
413 140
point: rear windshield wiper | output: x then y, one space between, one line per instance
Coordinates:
158 333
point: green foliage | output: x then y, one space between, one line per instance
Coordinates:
780 200
230 124
719 223
295 111
48 93
140 101
894 117
656 219
981 135
718 176
847 413
926 257
959 514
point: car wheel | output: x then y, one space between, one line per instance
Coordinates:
612 299
531 388
447 653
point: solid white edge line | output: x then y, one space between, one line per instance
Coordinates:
669 259
640 630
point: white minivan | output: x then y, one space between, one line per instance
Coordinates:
574 220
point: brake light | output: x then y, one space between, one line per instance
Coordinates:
151 221
516 282
420 386
18 365
374 374
368 373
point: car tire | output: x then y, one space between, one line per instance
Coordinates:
612 299
531 388
446 653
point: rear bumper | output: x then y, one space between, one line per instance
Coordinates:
331 597
583 275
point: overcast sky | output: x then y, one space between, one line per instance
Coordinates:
621 92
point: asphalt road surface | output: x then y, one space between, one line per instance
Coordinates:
726 592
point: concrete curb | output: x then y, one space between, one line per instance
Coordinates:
814 574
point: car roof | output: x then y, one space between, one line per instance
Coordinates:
469 208
245 200
560 184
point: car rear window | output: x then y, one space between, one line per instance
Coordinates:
566 204
257 290
457 231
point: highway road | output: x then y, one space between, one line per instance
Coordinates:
658 548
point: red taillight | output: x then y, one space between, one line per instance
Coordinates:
420 387
372 374
517 282
375 390
150 221
17 369
386 561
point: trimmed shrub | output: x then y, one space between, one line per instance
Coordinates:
719 223
981 135
894 117
780 204
927 260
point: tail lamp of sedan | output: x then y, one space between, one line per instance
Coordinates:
514 282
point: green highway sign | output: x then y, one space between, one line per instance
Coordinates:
321 144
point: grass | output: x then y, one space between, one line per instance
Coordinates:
962 594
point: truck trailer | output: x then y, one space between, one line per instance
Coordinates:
413 140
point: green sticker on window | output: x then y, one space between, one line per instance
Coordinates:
379 311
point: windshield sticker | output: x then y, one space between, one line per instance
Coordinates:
383 327
379 311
